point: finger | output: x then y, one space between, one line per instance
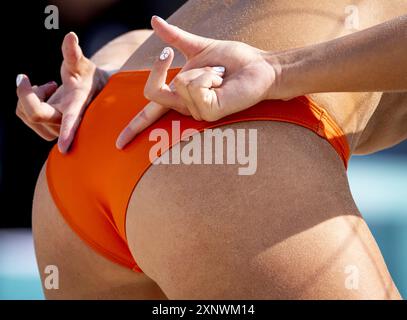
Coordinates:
204 97
43 92
46 90
156 88
72 53
181 83
34 108
69 125
41 130
53 128
188 43
185 79
150 114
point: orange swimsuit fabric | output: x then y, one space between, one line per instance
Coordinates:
92 184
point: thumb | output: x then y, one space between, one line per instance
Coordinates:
189 44
72 53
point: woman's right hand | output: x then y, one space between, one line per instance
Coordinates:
219 78
53 111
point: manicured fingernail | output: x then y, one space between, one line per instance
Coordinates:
76 37
219 69
160 19
165 53
19 78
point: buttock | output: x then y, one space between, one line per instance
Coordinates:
92 184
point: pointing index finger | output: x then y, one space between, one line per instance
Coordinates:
146 117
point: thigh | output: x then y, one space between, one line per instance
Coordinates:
290 231
82 272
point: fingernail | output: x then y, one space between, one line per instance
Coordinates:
61 148
119 144
160 19
219 69
19 78
220 79
51 83
76 37
165 53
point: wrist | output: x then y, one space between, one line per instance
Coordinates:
293 73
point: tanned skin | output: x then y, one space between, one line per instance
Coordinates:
292 230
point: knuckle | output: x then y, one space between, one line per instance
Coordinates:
194 85
35 115
69 118
18 112
148 94
185 112
209 116
49 138
142 116
202 104
197 117
67 124
179 81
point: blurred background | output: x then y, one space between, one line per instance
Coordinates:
378 182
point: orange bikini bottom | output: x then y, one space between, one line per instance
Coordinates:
92 184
